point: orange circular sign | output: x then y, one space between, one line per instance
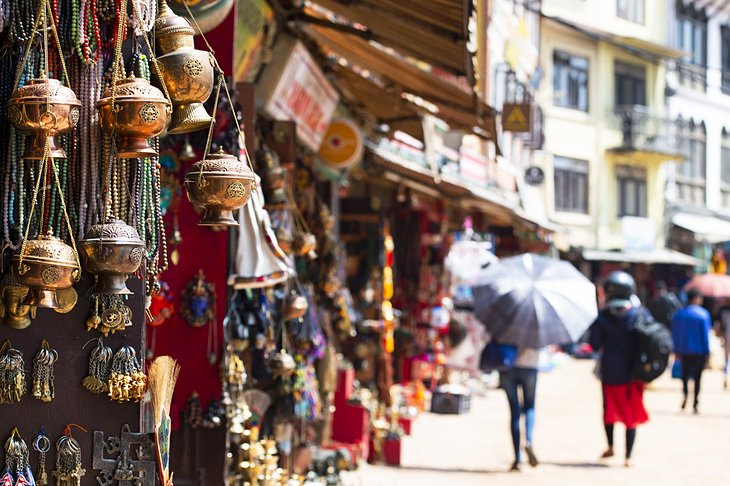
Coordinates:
342 146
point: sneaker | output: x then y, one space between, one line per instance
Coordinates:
531 457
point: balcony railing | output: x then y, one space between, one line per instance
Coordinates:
643 131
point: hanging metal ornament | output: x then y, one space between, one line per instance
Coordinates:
43 107
294 305
12 311
43 387
127 382
17 466
45 265
197 301
100 362
12 374
112 251
42 445
109 315
67 299
68 470
187 72
220 184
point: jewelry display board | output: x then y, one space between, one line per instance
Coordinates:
72 404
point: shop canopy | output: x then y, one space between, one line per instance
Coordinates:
661 256
708 229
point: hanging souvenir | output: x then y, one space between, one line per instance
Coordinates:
44 107
126 382
41 445
100 361
215 415
193 411
294 305
67 299
68 470
109 315
17 466
197 301
112 251
12 374
12 311
161 306
164 372
220 184
186 71
43 388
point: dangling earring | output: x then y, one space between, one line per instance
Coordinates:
127 382
12 374
100 361
68 470
43 388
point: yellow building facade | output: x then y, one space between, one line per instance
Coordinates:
607 139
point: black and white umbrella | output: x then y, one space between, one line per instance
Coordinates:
533 301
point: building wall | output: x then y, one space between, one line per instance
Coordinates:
710 106
590 136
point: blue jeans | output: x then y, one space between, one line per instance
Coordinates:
509 381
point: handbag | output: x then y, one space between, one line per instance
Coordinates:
496 356
677 369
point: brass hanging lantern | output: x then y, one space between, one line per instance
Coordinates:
112 251
140 112
219 184
282 364
45 265
44 108
187 72
294 306
305 244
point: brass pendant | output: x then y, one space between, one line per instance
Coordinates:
219 184
186 72
43 388
126 382
17 465
100 362
112 251
45 265
42 445
68 470
44 108
140 112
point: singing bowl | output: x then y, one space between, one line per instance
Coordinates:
140 112
48 265
44 108
112 251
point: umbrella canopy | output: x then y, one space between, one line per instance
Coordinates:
715 285
533 301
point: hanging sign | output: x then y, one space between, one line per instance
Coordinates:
342 146
534 176
516 117
301 92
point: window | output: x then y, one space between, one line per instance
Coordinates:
570 81
630 84
691 37
725 168
691 173
571 185
631 183
632 10
725 57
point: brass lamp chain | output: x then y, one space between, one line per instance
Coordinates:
298 216
118 57
241 134
153 58
201 177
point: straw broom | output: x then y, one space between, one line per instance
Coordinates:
162 377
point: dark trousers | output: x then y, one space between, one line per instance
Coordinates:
692 367
510 380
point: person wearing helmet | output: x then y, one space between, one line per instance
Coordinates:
611 335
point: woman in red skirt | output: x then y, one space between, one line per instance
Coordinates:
611 335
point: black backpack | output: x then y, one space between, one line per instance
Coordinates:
653 345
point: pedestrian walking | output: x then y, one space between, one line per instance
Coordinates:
723 320
664 304
691 328
522 376
612 336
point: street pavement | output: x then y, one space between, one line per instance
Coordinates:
475 448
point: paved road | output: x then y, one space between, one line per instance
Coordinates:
474 449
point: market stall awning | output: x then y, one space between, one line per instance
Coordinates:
662 256
709 229
425 91
435 31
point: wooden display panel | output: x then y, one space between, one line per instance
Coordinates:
66 333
